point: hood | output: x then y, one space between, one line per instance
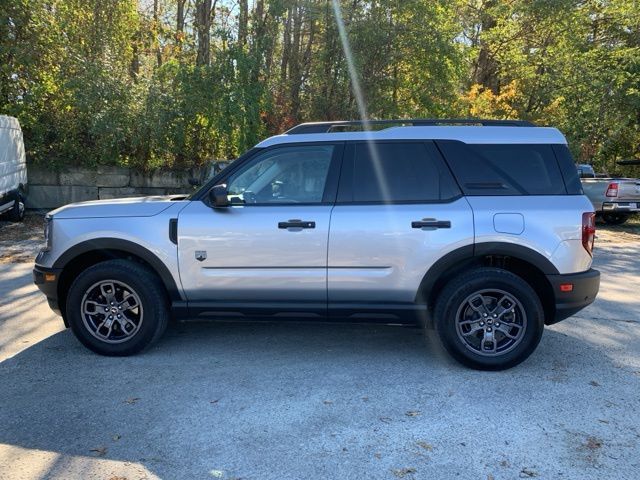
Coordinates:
119 207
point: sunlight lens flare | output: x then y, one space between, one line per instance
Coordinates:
362 106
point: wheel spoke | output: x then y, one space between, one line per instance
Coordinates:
109 325
478 304
472 331
503 306
108 289
488 340
97 307
468 322
505 329
124 321
129 302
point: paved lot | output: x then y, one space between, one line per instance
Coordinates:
297 401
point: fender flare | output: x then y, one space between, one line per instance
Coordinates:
517 251
468 254
126 246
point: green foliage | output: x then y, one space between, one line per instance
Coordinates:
116 82
572 64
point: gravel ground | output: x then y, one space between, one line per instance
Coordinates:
20 242
295 400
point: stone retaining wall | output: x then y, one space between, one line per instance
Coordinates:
50 189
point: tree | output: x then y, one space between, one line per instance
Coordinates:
175 83
204 16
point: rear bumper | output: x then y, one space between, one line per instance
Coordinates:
585 287
46 279
621 207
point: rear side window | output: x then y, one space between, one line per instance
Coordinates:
395 172
504 169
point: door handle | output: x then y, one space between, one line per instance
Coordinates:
431 223
295 223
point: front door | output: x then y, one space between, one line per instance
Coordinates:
270 244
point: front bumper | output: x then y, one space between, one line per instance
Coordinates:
46 279
584 288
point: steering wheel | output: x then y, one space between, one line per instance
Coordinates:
249 197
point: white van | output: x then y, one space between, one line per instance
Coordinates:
13 169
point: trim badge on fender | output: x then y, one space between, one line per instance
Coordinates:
201 255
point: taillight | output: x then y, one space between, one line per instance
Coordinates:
612 190
588 231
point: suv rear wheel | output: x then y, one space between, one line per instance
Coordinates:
489 319
117 307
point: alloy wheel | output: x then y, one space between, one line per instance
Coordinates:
491 322
111 311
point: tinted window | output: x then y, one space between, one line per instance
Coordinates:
295 174
569 170
399 172
505 169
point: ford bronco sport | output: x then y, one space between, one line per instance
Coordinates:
477 227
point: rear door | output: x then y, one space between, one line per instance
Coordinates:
398 211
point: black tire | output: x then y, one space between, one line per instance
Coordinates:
149 323
16 214
614 218
454 313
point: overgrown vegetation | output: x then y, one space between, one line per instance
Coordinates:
173 83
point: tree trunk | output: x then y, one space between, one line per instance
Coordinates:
180 23
486 68
243 22
294 63
261 46
286 47
202 26
156 28
134 67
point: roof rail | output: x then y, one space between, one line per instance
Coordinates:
342 125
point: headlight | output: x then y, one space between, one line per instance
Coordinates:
48 226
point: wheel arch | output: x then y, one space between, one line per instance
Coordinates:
90 252
531 266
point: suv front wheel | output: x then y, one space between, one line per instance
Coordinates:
489 319
117 307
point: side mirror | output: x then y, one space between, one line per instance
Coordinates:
218 196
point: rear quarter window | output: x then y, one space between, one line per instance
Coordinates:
568 169
504 169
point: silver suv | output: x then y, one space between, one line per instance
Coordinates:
479 228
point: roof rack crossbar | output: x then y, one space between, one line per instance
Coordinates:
325 127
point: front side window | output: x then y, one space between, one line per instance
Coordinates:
294 174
